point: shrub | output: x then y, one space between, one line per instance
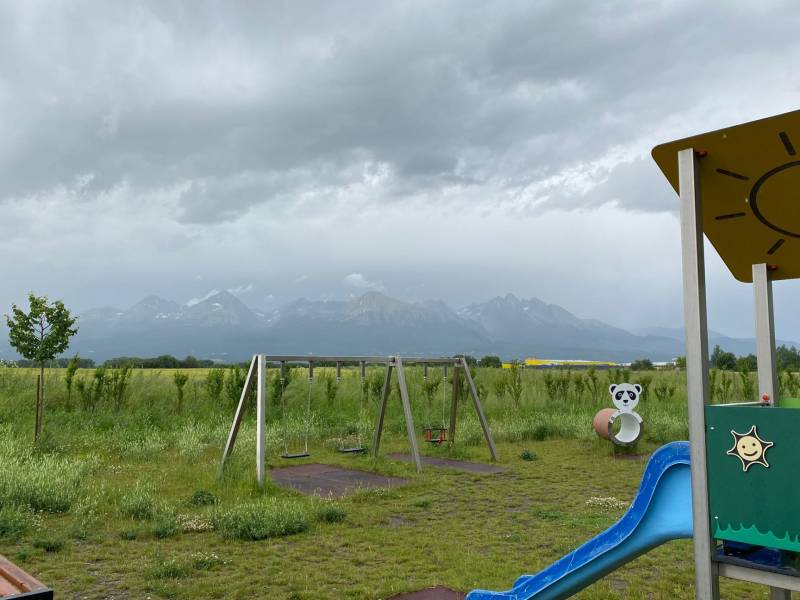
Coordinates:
180 379
15 522
214 384
234 383
260 520
528 455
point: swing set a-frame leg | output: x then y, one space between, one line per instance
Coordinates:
397 363
376 440
453 407
479 409
412 434
237 418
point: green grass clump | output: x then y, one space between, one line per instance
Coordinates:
139 504
87 519
42 482
330 513
203 561
423 501
260 520
528 455
202 498
49 543
165 524
129 534
168 568
15 522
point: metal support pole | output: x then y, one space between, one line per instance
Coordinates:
765 333
237 417
261 421
338 372
694 310
479 409
454 407
765 357
404 399
387 381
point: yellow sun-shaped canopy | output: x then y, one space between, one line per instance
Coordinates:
750 179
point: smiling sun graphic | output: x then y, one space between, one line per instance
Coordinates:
750 448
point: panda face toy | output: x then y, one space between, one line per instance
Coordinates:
625 396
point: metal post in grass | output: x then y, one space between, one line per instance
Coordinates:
694 309
261 421
765 356
765 333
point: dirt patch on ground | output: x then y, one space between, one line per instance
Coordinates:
435 593
328 481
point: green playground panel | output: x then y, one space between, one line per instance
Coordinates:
762 504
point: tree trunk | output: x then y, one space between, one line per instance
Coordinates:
36 406
40 403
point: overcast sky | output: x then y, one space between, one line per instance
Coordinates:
453 150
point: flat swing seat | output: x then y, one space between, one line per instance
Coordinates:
435 435
353 450
295 455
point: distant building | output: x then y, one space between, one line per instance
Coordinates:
550 363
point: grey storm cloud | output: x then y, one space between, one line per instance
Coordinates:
250 103
163 141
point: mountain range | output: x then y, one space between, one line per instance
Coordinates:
220 326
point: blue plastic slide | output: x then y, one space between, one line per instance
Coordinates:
661 511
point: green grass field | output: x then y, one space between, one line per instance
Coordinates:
121 498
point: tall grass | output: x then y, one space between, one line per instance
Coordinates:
262 519
42 482
146 420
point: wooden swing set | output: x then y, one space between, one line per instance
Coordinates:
257 377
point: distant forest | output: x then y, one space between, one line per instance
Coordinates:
787 358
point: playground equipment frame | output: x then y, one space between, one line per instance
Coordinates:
707 570
257 376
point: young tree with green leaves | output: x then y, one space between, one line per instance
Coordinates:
180 380
725 361
490 361
214 384
69 377
514 385
40 335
